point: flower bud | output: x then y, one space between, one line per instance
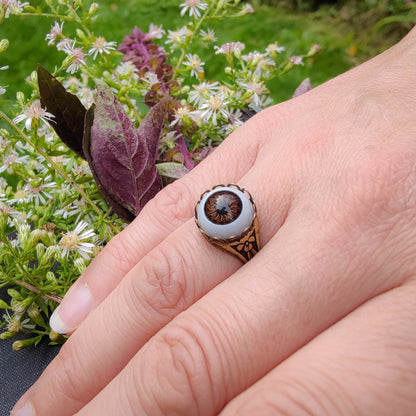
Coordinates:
23 343
93 9
50 277
80 265
58 338
81 35
36 316
7 335
20 97
4 45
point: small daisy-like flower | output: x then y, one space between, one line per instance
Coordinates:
76 55
76 240
155 32
296 60
39 194
214 107
274 48
34 111
179 115
64 44
15 323
229 48
150 78
55 33
256 89
202 92
195 64
194 7
208 36
13 7
176 37
101 46
20 196
2 90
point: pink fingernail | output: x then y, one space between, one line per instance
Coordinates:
72 311
25 410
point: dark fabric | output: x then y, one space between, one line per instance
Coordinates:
20 369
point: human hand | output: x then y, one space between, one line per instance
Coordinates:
320 321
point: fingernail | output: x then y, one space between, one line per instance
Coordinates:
25 410
72 311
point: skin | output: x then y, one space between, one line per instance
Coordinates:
319 322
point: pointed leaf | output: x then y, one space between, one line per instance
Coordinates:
122 212
66 107
119 155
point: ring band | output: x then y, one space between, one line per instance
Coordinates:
227 218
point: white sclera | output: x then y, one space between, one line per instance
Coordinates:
235 228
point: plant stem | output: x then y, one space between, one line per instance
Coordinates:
34 289
185 48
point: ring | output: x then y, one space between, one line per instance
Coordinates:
227 218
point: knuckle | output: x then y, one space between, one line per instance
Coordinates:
67 378
181 369
119 251
172 206
167 279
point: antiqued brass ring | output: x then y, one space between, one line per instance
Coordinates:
227 218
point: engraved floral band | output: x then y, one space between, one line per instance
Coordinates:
227 217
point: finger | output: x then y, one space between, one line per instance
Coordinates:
167 211
252 321
363 365
311 274
181 269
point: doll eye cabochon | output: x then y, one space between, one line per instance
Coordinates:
225 212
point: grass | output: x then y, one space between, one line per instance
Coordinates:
297 31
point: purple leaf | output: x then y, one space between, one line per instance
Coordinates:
122 157
66 107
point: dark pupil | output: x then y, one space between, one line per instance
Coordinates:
223 207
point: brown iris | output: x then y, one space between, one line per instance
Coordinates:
223 207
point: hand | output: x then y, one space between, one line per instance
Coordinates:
319 322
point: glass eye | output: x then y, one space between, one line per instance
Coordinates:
225 212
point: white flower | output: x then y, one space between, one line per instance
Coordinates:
180 113
3 68
2 90
274 48
194 7
64 44
155 32
13 7
34 111
150 78
195 64
211 109
256 89
39 194
76 241
229 48
101 46
208 36
76 55
176 37
55 33
202 92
